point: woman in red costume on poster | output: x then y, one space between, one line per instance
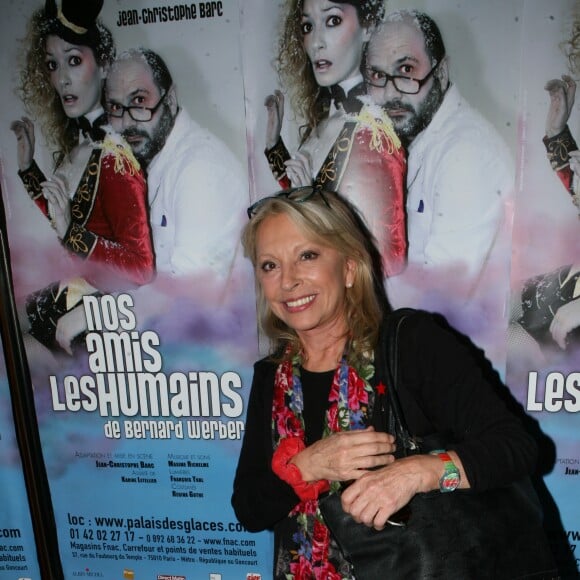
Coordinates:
347 143
96 198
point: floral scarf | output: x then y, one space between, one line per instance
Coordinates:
313 555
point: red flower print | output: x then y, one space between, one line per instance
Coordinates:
326 572
356 392
332 416
302 570
320 542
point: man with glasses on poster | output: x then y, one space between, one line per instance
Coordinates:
459 176
197 189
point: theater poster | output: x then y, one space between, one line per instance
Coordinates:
142 423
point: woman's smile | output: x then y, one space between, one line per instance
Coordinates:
299 303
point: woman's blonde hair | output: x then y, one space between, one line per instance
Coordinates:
294 68
328 219
39 97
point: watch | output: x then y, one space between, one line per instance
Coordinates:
451 478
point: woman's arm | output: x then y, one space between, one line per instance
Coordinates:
28 171
276 152
277 157
33 178
24 130
562 95
260 498
445 390
558 139
442 390
274 104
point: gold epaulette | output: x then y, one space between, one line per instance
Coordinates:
381 127
116 146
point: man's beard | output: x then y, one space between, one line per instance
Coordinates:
154 142
420 117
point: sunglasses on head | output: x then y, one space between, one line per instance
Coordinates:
297 195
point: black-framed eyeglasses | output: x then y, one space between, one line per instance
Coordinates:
296 194
140 114
405 85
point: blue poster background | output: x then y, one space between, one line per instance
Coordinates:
17 547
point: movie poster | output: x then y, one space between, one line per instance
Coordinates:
543 348
141 414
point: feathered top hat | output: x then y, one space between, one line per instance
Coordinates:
75 21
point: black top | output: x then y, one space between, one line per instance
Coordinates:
315 393
442 390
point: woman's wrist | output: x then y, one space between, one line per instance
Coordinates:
426 471
288 471
24 166
432 468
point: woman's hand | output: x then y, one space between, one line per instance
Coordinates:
24 131
562 94
54 190
566 319
377 495
69 326
346 455
275 107
299 170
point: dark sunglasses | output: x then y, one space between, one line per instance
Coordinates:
296 194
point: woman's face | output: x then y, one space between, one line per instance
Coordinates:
74 75
333 40
304 282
